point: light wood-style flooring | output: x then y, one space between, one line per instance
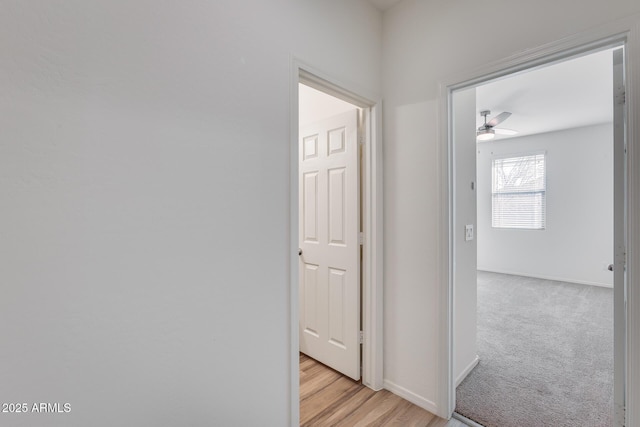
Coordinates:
327 398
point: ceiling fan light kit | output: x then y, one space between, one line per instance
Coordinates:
487 132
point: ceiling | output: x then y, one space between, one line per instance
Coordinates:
315 105
383 4
570 94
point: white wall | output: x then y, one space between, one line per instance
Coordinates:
577 243
465 271
426 43
144 202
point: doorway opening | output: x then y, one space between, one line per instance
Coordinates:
325 194
541 215
330 227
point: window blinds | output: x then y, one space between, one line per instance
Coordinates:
519 192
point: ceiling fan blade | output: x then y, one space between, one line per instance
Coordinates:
498 119
505 131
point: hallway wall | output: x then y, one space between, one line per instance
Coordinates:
424 45
144 203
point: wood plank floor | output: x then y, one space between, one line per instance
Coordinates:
328 398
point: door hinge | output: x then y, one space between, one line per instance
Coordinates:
625 261
361 238
621 416
361 337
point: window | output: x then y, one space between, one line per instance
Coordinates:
518 192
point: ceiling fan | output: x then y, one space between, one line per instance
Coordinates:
488 130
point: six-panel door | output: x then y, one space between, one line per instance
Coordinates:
329 213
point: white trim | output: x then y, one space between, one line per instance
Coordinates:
627 31
420 401
632 63
619 227
294 340
543 277
446 393
467 370
324 83
372 274
372 265
599 38
466 421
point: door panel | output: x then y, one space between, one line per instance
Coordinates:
310 319
309 210
329 231
337 294
336 206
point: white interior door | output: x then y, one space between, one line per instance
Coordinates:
329 265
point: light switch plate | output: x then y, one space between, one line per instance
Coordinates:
468 232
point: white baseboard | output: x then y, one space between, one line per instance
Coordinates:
420 401
543 277
467 370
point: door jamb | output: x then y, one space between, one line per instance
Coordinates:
624 32
371 194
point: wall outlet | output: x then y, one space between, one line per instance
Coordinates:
468 232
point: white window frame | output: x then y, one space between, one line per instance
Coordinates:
531 223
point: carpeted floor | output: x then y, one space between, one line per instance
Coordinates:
546 354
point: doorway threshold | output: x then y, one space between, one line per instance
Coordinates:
466 420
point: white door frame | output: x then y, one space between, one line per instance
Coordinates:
623 32
371 194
